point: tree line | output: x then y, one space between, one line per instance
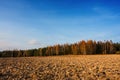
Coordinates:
80 48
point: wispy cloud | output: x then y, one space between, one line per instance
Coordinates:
33 42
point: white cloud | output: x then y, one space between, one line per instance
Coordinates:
33 42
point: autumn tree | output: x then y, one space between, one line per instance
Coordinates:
57 49
94 47
75 49
20 53
48 51
83 47
90 47
67 49
40 51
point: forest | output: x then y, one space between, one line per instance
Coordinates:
83 47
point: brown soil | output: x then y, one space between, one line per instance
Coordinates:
79 67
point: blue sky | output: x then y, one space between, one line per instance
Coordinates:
28 24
